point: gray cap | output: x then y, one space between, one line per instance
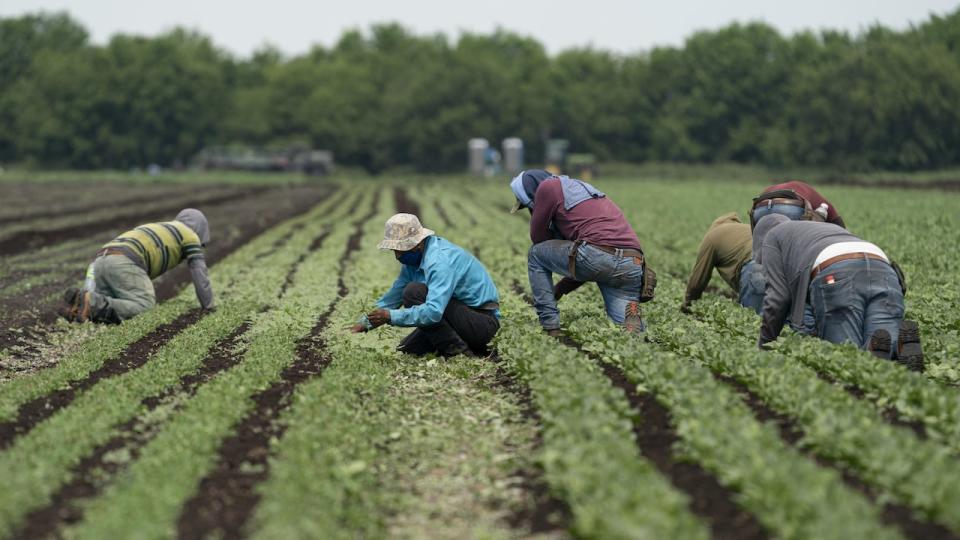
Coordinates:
193 218
760 231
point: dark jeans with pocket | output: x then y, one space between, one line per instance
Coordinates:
852 299
461 329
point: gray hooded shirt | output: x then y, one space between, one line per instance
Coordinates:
788 253
197 222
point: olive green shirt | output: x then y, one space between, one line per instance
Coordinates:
726 247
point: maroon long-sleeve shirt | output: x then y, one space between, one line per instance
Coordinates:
815 199
596 221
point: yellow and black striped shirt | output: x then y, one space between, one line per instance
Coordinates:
160 246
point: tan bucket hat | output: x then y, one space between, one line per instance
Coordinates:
403 232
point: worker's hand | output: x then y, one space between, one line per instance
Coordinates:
378 317
565 286
557 292
357 329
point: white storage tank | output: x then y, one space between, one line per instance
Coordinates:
513 155
476 155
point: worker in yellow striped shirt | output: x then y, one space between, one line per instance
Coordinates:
119 281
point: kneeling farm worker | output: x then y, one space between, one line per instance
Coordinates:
727 247
119 281
855 290
580 234
442 290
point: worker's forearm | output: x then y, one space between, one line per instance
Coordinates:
201 282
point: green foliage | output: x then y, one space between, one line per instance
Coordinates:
387 98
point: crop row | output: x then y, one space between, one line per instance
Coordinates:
179 456
721 433
91 418
589 453
230 276
837 425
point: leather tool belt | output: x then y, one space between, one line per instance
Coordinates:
622 252
845 257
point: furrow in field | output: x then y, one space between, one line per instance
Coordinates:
227 495
91 475
25 317
173 366
138 353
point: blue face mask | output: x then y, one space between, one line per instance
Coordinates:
411 258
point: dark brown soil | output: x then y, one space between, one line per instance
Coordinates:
892 514
899 183
137 354
27 240
24 318
709 500
403 202
546 513
227 496
91 475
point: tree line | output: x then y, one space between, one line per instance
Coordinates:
386 98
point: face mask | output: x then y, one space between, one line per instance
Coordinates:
411 258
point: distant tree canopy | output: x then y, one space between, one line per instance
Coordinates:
387 98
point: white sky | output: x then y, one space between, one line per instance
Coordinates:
618 25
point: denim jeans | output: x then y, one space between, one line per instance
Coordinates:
789 210
618 277
854 298
752 285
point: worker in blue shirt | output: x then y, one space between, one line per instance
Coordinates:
442 290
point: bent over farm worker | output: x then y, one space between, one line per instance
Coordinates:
855 290
727 247
120 286
580 234
442 290
797 200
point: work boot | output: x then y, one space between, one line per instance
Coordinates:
879 345
909 351
633 319
77 305
553 332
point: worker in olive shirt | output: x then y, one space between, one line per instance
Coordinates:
121 285
855 290
580 234
796 200
727 247
442 291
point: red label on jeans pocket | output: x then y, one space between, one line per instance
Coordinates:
829 279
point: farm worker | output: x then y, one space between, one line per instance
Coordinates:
855 290
580 234
121 285
442 290
796 200
727 247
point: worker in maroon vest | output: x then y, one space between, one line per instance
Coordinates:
796 200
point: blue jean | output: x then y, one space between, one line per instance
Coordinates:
619 278
752 285
789 210
852 299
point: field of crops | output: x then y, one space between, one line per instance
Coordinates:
267 418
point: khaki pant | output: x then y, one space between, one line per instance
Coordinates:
123 289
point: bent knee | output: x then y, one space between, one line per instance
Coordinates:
414 294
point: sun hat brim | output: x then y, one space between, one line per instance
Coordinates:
407 243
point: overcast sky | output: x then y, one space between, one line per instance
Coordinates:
619 25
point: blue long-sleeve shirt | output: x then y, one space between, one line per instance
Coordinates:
448 271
